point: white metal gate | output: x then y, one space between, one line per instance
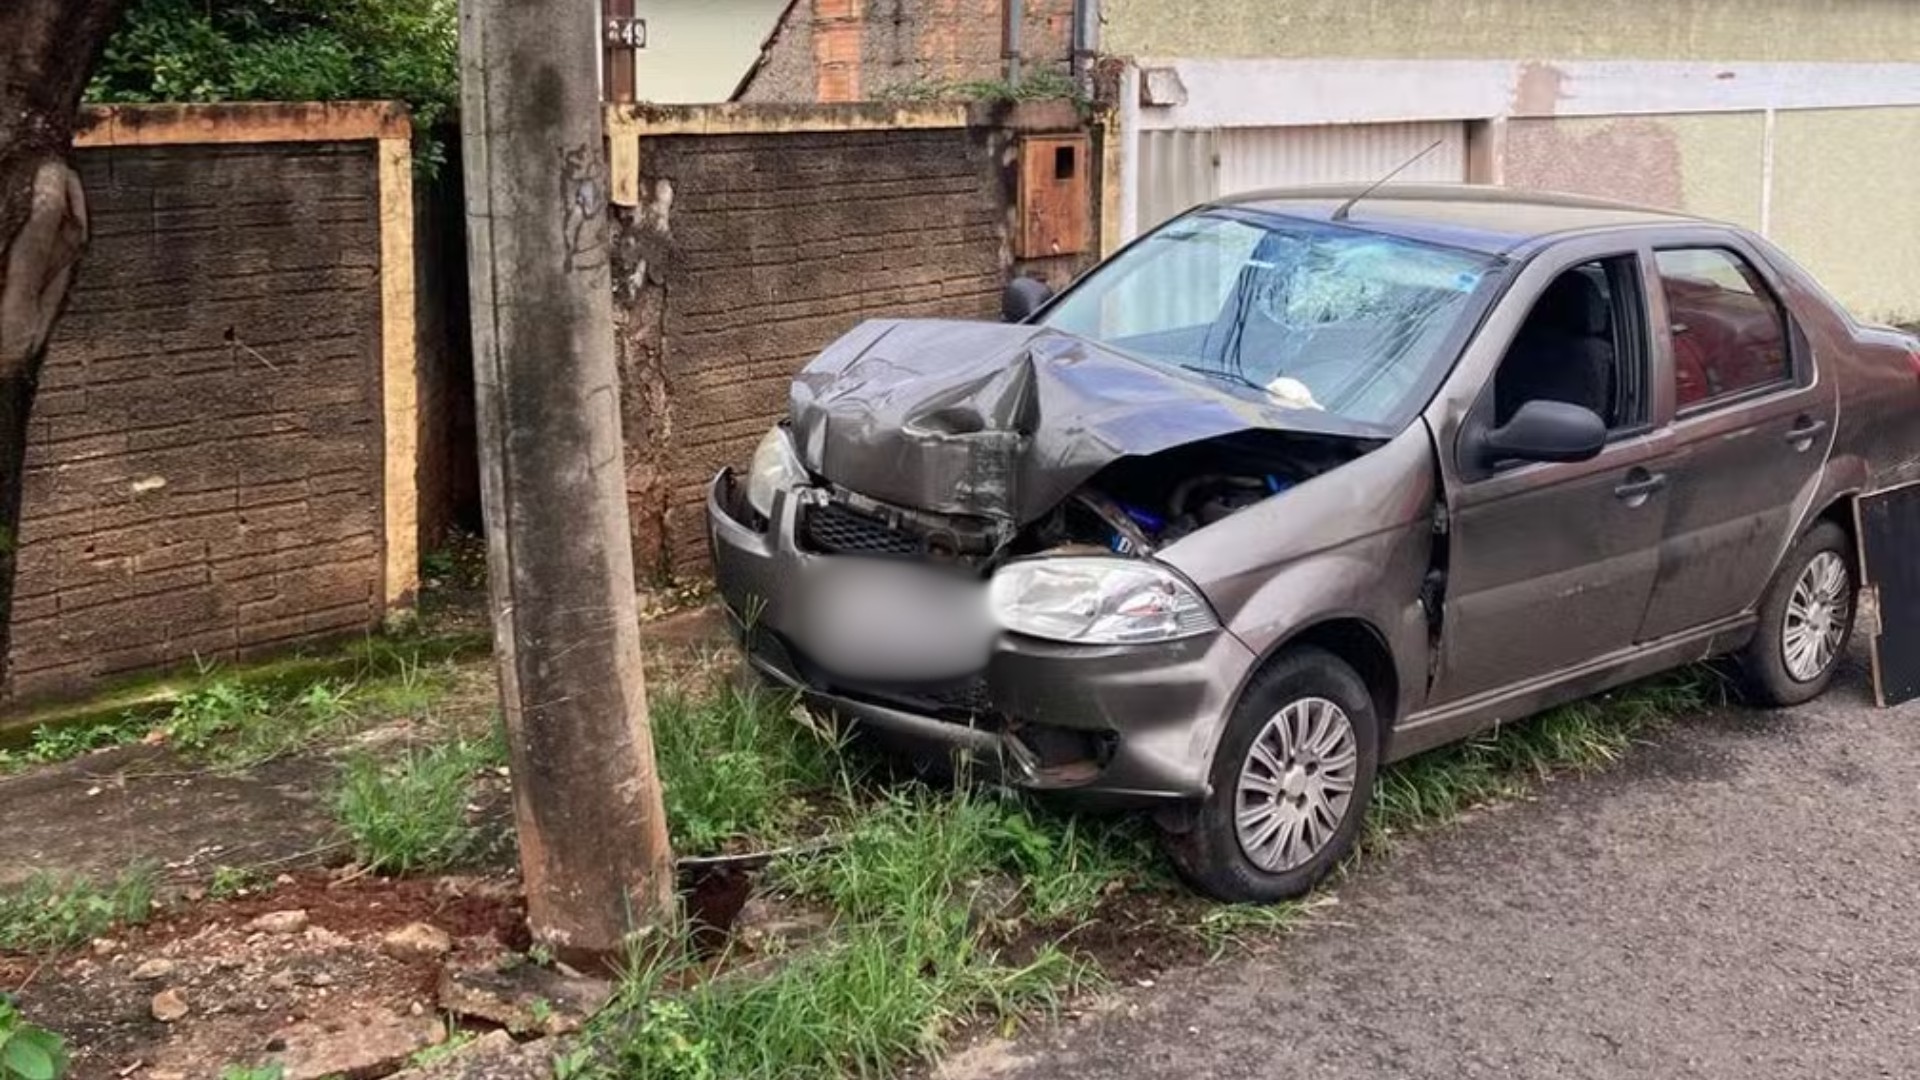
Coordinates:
1181 168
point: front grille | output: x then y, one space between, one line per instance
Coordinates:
970 696
834 529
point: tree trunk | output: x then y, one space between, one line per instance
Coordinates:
47 51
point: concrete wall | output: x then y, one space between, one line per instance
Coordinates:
1836 188
1608 29
698 50
757 237
862 50
1846 203
214 445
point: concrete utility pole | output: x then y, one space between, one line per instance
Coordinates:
593 837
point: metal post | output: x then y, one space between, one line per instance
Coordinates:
593 839
617 60
1013 16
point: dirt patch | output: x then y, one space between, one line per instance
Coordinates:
246 981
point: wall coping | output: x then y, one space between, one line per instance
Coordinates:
241 122
766 118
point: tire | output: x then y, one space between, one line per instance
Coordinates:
1212 855
1782 665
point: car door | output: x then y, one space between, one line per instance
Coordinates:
1752 426
1550 565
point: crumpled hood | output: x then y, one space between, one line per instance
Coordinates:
1003 421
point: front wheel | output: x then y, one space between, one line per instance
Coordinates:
1290 783
1806 619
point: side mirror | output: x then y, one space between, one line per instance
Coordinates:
1023 297
1546 431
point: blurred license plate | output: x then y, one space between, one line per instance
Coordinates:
895 621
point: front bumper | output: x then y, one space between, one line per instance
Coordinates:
1114 725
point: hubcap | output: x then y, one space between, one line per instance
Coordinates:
1296 784
1816 617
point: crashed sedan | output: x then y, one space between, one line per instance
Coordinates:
1302 483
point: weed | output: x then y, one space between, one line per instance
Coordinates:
1222 926
410 814
736 764
47 914
1433 789
28 1052
56 743
1040 85
930 888
231 881
273 1071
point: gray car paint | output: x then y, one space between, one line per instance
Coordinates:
1001 421
1550 576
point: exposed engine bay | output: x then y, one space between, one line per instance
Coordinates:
1133 507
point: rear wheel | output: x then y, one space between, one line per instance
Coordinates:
1806 619
1290 783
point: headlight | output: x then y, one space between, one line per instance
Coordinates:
776 467
1098 601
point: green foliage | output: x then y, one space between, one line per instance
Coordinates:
253 1072
1433 789
231 881
286 50
923 893
1040 84
236 724
410 814
52 744
28 1052
47 914
735 766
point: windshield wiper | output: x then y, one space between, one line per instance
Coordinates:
1224 376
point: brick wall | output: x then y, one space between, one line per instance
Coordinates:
204 471
861 50
749 254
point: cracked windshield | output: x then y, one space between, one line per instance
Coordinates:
1314 316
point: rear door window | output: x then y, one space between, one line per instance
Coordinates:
1729 332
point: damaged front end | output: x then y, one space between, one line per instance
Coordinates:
953 540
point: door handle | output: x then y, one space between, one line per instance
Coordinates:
1639 487
1803 432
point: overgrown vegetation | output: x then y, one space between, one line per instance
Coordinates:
243 718
28 1052
411 813
287 50
737 766
961 905
1040 84
47 913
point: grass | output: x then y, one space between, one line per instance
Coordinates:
410 814
49 914
1507 763
930 903
959 906
243 717
736 764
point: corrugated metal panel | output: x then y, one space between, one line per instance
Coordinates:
1255 158
1178 170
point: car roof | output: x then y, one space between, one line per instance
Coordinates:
1476 217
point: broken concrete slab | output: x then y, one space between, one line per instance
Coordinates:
493 1056
525 999
356 1046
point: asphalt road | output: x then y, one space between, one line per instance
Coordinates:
1740 899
